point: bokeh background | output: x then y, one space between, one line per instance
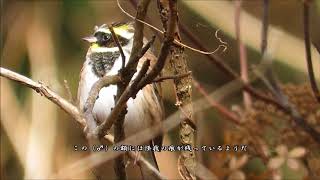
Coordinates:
42 40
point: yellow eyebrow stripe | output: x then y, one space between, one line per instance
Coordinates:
94 45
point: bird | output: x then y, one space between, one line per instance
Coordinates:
103 58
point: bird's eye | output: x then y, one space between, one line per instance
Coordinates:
106 37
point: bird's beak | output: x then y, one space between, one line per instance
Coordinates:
90 39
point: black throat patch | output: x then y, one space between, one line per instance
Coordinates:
102 62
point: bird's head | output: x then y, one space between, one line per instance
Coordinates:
102 37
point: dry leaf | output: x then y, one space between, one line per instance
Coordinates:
276 162
297 152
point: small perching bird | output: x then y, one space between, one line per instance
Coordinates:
103 58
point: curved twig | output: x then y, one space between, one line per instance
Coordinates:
177 42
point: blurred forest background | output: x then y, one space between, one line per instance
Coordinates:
42 40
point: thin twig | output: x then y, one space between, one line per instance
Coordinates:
223 110
227 70
221 65
68 90
116 40
44 90
88 107
155 71
273 86
219 62
136 52
243 55
306 25
176 41
163 78
265 25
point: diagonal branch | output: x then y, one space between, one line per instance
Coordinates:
216 60
142 73
137 39
269 80
68 107
44 90
223 110
116 40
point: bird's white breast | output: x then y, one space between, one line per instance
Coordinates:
135 118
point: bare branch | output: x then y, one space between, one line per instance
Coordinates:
44 90
130 91
141 74
146 47
137 39
119 111
183 87
306 25
93 94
